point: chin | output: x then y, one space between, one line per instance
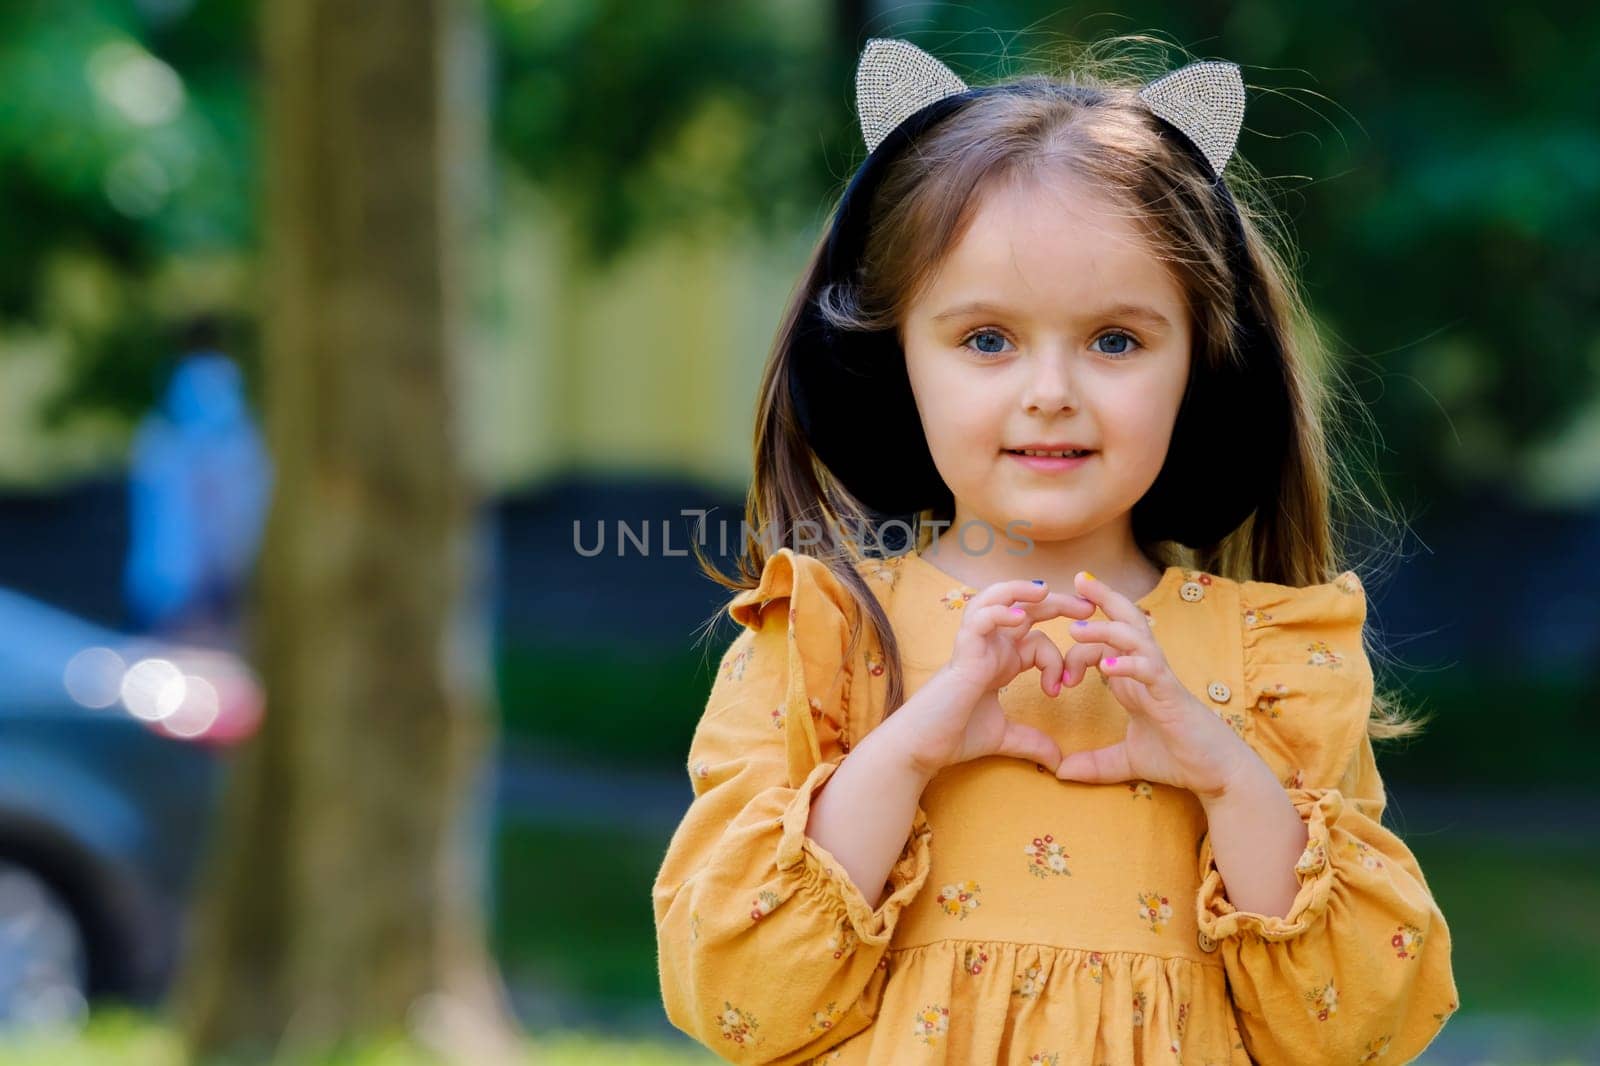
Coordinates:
1044 520
1054 528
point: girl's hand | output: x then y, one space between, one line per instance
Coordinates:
994 644
1172 737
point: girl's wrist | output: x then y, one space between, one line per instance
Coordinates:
900 729
895 735
955 686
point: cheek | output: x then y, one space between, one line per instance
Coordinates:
941 401
963 424
1137 428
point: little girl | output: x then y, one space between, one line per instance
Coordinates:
1087 775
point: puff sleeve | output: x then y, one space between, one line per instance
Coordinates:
767 952
1360 966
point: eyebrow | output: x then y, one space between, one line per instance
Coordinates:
1124 310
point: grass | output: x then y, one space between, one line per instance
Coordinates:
129 1038
575 910
1524 916
638 705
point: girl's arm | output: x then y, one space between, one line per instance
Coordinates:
1256 836
863 814
1359 966
768 951
1353 964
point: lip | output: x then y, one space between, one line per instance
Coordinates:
1051 446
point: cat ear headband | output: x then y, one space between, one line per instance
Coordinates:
850 389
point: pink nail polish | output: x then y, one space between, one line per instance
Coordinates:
1112 661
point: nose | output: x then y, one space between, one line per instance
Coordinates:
1050 387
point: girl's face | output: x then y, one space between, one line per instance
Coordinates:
1081 340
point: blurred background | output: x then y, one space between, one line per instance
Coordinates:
329 330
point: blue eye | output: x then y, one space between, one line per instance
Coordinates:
1127 343
1122 353
983 333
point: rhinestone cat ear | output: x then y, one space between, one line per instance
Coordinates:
1205 101
894 80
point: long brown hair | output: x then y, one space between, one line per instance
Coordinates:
927 199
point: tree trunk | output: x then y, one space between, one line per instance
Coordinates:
343 899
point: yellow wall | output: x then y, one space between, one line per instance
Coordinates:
650 367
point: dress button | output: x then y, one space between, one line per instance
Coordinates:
1218 691
1192 591
1205 942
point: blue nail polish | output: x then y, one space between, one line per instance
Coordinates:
1079 624
1036 581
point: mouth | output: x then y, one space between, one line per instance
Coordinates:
1048 462
1054 453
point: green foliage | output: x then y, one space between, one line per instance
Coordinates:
1473 738
126 146
673 114
1441 177
631 705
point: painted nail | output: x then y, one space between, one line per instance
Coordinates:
1090 576
1079 624
1018 610
1112 661
1038 581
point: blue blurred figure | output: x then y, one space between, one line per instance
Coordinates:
200 480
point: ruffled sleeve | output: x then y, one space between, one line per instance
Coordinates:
1360 965
767 951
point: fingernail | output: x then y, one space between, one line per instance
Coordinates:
1038 581
1018 610
1112 661
1079 624
1090 576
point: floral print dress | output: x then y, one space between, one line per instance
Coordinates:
1030 919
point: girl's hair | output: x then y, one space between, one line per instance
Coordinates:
926 201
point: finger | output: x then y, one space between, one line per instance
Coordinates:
1025 742
1098 766
1058 604
1037 649
1138 667
1120 635
1008 591
987 619
1115 605
1069 605
1080 657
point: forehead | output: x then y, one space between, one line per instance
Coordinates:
1052 243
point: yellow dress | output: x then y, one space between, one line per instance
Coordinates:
1034 920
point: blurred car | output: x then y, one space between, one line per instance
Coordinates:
112 752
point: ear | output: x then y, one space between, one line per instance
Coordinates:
894 80
1205 101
